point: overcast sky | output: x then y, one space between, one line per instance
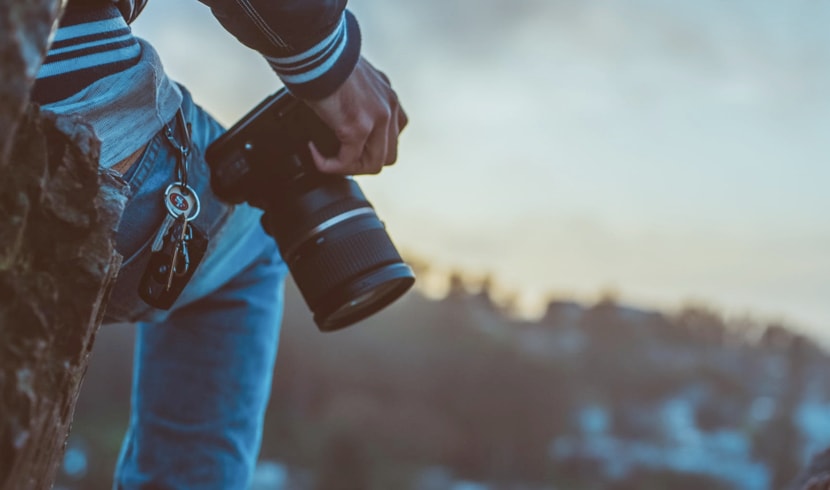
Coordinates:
673 151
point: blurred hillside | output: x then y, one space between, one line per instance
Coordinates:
455 394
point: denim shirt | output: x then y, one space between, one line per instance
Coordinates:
125 109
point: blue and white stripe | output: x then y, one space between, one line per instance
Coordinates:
96 42
314 62
71 33
112 52
327 63
89 45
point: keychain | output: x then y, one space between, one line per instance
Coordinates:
178 246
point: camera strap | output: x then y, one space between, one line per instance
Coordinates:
178 246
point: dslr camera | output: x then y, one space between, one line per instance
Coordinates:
337 249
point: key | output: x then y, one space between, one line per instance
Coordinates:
178 234
185 252
166 225
178 199
181 198
155 288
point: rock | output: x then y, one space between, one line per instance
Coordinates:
58 216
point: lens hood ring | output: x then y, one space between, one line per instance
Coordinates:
325 225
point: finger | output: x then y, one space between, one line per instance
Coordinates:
403 119
392 138
384 77
319 159
343 164
377 146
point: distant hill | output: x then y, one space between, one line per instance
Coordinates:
590 396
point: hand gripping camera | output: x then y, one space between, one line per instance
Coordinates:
336 247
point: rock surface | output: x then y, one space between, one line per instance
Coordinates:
58 215
25 28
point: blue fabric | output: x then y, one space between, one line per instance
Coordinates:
312 45
125 109
202 371
89 45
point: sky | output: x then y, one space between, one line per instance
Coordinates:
674 152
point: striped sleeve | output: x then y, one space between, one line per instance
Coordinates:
322 68
90 44
312 45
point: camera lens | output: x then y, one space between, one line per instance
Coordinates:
384 285
338 251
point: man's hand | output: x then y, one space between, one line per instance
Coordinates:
367 118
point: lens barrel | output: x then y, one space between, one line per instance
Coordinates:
338 252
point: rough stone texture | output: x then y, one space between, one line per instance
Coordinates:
58 216
25 27
57 264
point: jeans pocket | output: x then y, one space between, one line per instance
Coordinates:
125 305
145 208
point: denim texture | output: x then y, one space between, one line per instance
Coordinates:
127 108
202 372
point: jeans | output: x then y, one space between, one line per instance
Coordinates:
202 373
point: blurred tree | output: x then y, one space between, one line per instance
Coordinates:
423 389
701 324
784 457
777 337
458 289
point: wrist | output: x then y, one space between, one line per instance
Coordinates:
317 72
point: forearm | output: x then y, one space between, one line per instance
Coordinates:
312 45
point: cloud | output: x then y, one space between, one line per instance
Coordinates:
689 139
746 51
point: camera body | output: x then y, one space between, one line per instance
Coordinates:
336 247
267 152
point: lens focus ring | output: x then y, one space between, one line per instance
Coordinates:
319 267
326 225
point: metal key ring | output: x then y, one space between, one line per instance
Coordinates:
180 198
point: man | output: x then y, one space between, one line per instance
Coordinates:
203 369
